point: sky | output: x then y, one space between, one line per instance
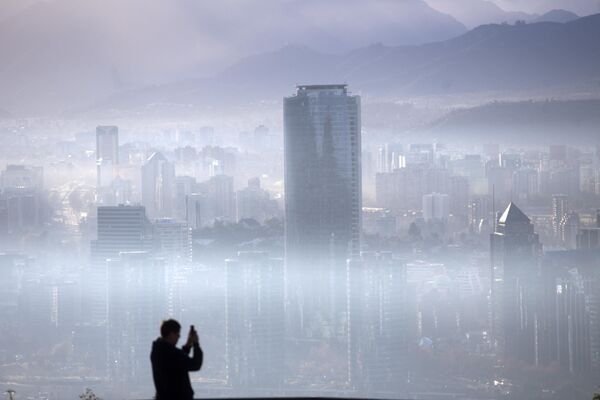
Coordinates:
581 7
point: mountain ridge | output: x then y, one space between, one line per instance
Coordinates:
489 58
68 53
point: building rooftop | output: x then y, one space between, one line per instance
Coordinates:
317 90
156 156
513 214
322 87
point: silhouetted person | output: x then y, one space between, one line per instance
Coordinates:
170 365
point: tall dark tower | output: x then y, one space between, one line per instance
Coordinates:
322 190
516 253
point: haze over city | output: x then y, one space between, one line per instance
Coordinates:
390 199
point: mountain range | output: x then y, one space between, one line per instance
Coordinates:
473 13
67 54
491 58
60 54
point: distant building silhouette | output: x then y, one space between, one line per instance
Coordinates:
255 202
213 200
107 154
158 187
21 199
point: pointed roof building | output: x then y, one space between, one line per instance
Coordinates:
513 214
513 220
156 156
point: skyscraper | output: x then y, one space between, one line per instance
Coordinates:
322 173
322 150
515 253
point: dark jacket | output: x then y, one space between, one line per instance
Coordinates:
170 367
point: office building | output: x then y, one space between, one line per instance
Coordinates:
322 172
515 261
322 149
121 229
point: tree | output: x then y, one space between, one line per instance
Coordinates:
89 395
414 233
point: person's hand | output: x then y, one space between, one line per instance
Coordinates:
195 338
192 338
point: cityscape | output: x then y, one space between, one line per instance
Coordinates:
344 235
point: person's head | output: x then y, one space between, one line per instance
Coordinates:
170 331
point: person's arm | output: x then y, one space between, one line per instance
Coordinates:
196 361
190 341
193 363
